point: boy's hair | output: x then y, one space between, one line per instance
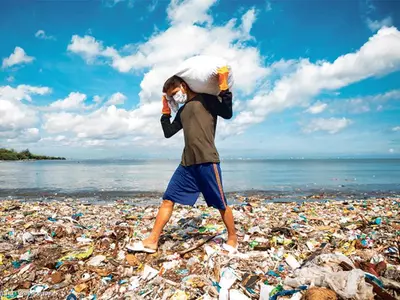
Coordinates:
172 82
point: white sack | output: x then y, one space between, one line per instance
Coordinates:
200 73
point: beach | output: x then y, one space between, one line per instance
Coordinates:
75 248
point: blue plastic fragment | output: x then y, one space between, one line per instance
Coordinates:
215 284
374 279
288 292
71 297
272 273
76 216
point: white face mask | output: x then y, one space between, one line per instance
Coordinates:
180 97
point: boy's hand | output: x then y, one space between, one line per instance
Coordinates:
166 110
223 74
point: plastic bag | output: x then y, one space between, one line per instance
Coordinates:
200 73
347 284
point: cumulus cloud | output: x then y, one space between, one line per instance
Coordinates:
86 46
17 119
317 108
160 55
41 34
97 99
22 92
294 82
378 56
17 57
397 128
364 104
190 11
263 87
331 125
375 25
104 123
74 101
116 99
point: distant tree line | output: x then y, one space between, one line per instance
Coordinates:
6 154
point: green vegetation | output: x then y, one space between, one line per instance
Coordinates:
6 154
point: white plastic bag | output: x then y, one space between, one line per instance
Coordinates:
200 73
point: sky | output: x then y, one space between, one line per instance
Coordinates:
83 78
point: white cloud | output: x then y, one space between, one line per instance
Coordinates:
58 138
363 104
152 6
268 6
87 47
116 99
10 78
331 125
29 135
248 20
317 108
391 150
358 106
397 128
17 57
379 56
375 25
74 101
15 117
18 120
22 92
105 123
190 11
41 34
161 54
90 49
262 89
98 99
112 3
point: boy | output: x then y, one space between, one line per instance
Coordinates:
199 170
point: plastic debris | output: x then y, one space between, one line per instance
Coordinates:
96 260
294 250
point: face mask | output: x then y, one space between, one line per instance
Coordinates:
180 97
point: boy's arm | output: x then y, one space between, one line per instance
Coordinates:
169 128
224 108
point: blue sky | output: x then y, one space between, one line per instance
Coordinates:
83 79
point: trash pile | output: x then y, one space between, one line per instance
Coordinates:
311 250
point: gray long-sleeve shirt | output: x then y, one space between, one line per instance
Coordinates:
198 118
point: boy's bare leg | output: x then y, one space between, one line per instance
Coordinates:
227 217
163 216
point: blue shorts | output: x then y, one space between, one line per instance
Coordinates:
187 183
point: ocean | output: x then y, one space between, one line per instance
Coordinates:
125 178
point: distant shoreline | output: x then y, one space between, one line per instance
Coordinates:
26 155
32 159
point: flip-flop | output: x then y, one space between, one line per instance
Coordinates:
230 249
139 247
